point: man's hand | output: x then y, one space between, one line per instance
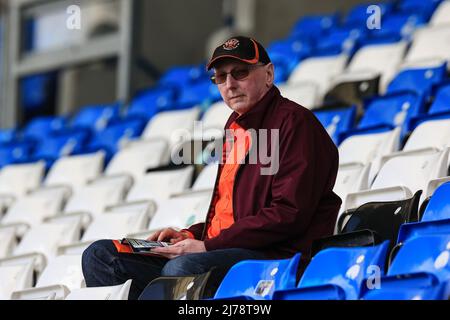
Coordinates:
181 248
169 235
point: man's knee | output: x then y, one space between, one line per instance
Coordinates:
98 251
183 266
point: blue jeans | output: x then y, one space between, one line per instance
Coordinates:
104 266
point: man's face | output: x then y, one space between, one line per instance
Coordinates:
241 95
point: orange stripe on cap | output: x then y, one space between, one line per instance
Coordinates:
252 61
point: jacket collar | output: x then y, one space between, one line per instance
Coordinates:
253 118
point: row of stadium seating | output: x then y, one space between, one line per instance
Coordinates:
108 171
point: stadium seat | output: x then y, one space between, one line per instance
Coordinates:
181 211
341 40
75 171
337 121
41 127
14 152
213 121
33 209
150 102
435 219
415 6
391 111
430 134
95 117
441 15
401 175
160 185
206 178
7 135
371 148
419 79
370 62
440 104
17 180
172 126
422 262
430 43
201 93
398 26
258 279
382 217
136 157
13 278
181 75
62 275
8 241
177 288
119 292
318 71
357 16
314 26
305 94
342 278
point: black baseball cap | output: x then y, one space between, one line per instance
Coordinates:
241 48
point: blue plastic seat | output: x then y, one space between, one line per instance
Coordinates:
358 15
41 127
339 40
337 122
201 93
441 104
59 145
399 26
109 139
95 117
7 135
179 76
313 26
435 219
258 279
391 111
422 262
419 80
150 102
425 7
12 153
337 273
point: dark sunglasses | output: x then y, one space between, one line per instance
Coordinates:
238 74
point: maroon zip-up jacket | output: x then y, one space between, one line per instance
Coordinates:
281 214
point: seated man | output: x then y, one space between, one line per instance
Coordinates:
258 210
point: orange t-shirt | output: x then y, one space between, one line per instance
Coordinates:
223 216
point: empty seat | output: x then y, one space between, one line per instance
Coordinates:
336 122
8 241
305 94
258 279
206 177
391 111
440 104
401 175
214 120
62 275
119 292
177 288
13 278
371 147
422 262
435 219
41 127
136 157
150 102
343 277
430 43
17 180
95 117
441 16
172 126
430 134
75 171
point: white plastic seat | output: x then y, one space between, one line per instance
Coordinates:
181 211
430 134
119 292
160 185
441 15
18 179
383 59
75 171
206 178
8 241
318 71
369 148
94 198
172 126
34 208
306 94
138 156
430 43
62 275
13 278
401 175
214 120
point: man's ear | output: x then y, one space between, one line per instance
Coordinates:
270 72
